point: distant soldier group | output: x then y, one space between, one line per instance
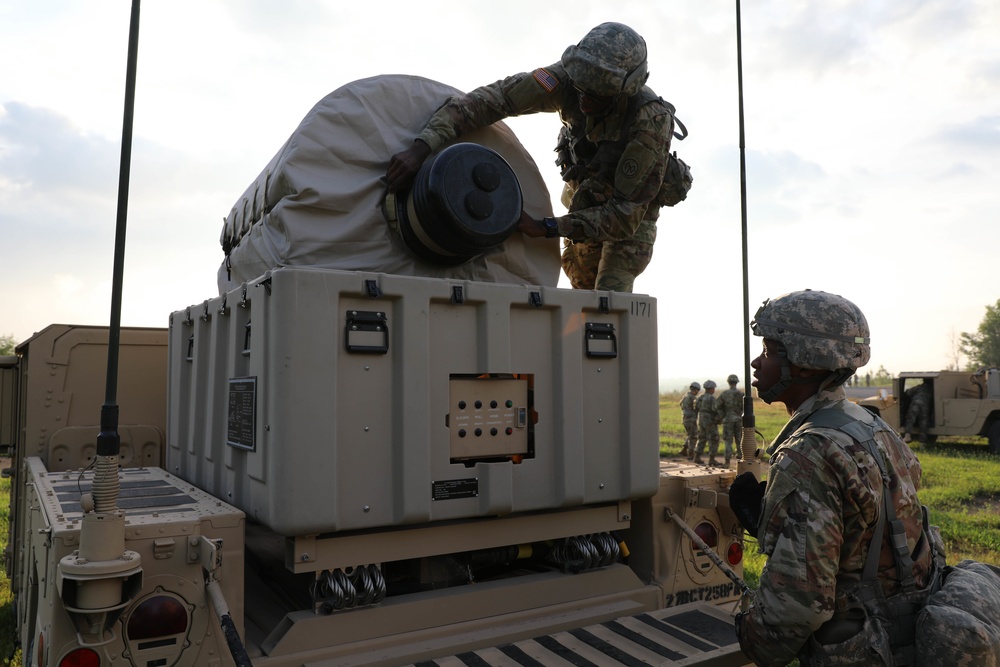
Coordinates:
703 414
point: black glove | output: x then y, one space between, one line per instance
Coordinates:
745 497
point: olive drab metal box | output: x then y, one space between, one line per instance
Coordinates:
320 400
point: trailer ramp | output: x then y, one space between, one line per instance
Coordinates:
690 635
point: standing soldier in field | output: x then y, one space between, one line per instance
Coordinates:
708 424
731 409
689 413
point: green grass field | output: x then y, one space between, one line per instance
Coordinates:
9 654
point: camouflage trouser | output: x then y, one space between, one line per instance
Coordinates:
708 432
691 429
917 416
731 436
607 265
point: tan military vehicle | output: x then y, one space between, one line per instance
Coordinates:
442 455
367 498
963 403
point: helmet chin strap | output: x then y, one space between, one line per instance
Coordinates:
786 381
779 387
832 379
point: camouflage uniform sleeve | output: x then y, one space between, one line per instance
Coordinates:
713 409
802 531
528 92
614 212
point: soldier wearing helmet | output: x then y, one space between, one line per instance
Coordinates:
731 407
817 516
689 417
613 151
709 418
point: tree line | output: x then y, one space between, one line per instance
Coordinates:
7 345
983 346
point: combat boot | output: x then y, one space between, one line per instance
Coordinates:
684 452
712 463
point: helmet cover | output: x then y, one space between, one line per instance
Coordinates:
709 384
819 330
608 61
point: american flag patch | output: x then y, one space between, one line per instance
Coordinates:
547 81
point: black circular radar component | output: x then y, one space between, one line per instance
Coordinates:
464 201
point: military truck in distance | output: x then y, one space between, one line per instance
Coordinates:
963 403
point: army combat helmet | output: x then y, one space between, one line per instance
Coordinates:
709 384
695 386
609 61
733 378
816 330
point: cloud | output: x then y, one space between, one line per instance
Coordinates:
58 206
779 182
980 135
40 145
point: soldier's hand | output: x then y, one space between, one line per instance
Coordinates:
403 166
745 497
530 227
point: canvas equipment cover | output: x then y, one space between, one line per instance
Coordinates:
319 201
960 623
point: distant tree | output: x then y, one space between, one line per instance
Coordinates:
983 347
882 376
7 345
954 351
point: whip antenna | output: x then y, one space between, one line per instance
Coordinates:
748 438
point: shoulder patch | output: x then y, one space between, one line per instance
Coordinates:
545 80
633 168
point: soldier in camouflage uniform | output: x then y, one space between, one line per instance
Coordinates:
731 407
689 415
613 151
708 424
918 411
817 515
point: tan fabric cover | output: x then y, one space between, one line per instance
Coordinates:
319 201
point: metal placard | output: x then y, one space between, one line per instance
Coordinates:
450 489
242 413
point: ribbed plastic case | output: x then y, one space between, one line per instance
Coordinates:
319 400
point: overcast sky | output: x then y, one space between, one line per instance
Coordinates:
872 148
